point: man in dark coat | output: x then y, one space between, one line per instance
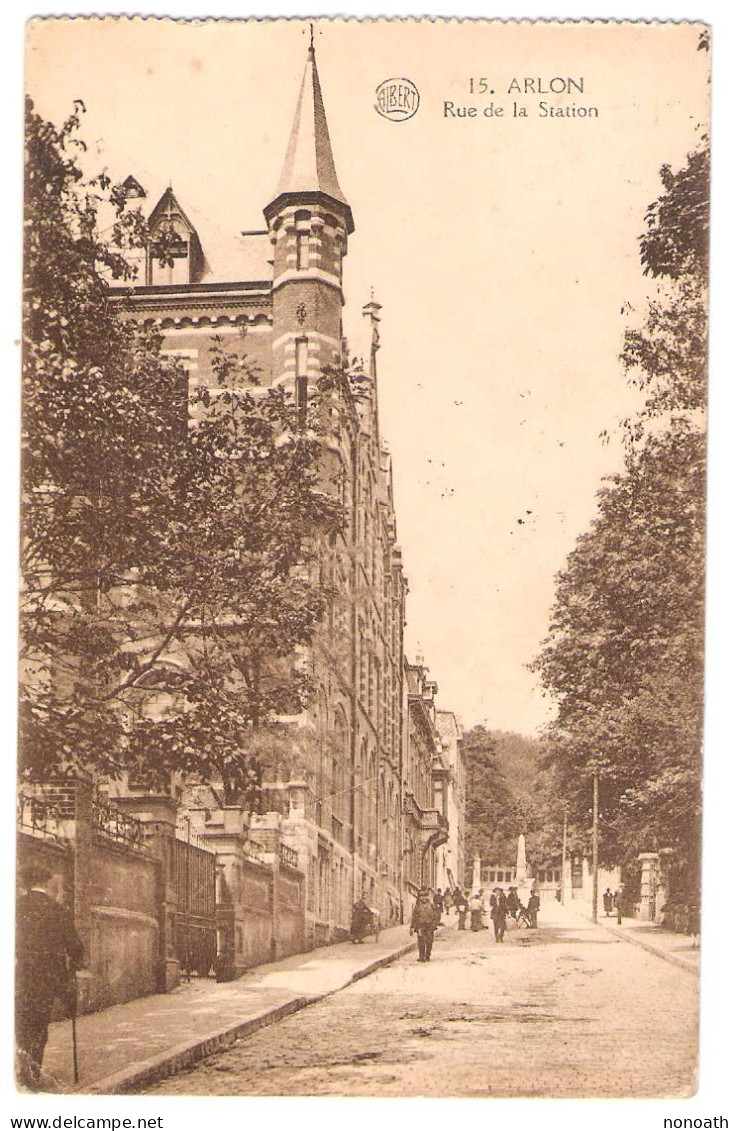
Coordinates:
513 903
424 922
48 951
498 913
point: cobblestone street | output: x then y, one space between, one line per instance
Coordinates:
567 1011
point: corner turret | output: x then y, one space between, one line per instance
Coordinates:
309 223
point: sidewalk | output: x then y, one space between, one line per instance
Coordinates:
127 1046
681 950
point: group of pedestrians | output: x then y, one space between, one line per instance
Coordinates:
614 902
431 905
501 905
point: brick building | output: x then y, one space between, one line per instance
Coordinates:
364 789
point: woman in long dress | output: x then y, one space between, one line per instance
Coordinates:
476 907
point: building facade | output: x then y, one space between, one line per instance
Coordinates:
451 856
365 806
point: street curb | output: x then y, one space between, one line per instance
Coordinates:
693 967
683 963
377 965
189 1053
185 1055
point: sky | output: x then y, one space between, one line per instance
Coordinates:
503 251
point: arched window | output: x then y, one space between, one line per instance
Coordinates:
340 755
317 777
371 785
382 806
360 790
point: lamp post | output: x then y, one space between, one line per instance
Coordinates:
595 839
187 899
563 860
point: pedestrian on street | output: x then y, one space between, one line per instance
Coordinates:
438 903
534 906
498 911
448 900
48 953
607 902
424 922
462 906
361 919
476 907
619 900
513 903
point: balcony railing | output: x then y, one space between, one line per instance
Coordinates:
288 856
253 851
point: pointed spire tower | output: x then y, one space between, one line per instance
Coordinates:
309 222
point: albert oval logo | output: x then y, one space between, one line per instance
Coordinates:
397 99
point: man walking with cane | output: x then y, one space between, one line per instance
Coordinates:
48 953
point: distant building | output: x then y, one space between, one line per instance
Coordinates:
425 824
451 856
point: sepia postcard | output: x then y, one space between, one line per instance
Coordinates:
362 541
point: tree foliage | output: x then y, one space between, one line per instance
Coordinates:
624 654
509 792
99 424
168 535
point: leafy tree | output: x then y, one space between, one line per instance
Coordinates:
491 825
99 428
510 792
624 653
245 589
168 548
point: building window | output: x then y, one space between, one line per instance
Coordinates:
301 378
303 250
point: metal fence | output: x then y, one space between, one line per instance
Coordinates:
37 816
113 824
192 873
46 809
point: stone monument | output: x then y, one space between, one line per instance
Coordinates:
521 867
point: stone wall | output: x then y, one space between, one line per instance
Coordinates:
290 920
116 914
255 921
124 926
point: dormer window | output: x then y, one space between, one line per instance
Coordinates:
132 189
174 251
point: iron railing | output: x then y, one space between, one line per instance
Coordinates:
114 825
192 872
39 816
